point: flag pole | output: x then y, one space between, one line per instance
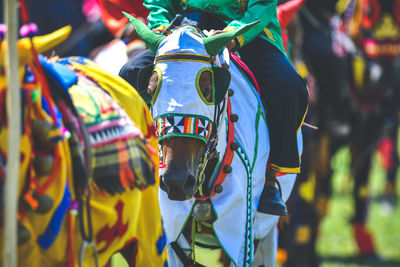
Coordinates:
10 9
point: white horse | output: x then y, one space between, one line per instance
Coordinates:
215 148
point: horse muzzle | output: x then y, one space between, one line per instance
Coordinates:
179 186
180 177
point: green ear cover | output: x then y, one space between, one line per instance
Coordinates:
150 38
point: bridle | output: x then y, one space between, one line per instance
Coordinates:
211 150
212 141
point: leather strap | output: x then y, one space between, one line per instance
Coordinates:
228 156
186 261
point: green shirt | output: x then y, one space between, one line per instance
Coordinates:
235 13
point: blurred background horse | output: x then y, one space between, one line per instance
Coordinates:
88 171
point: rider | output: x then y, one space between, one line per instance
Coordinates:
282 89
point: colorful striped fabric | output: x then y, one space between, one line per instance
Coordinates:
183 125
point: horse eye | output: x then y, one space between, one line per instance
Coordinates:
206 86
153 83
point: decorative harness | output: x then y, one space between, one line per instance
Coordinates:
165 125
227 160
201 128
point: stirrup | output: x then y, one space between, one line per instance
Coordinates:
85 244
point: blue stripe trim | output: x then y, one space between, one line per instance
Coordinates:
54 227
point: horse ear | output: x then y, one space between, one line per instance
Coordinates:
46 42
213 44
143 82
222 79
150 38
42 44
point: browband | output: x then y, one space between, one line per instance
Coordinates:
183 57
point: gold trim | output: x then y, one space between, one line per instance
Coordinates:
185 54
196 60
240 39
269 34
304 117
183 59
284 169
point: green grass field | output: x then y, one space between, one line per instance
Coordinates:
336 245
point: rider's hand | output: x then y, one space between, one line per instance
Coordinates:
230 45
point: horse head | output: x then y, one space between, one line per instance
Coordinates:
37 131
187 91
42 44
86 141
41 122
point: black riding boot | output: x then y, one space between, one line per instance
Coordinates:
271 201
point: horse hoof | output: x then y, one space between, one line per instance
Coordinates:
203 211
45 204
23 234
43 165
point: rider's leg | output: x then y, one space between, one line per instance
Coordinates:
361 155
130 70
285 95
390 188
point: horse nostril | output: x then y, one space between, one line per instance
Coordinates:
190 182
178 187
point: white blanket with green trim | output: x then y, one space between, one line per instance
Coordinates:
236 206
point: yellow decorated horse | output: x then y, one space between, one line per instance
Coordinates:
88 180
